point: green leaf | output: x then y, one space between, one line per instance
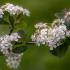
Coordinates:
21 33
19 18
20 49
62 49
12 21
67 25
6 17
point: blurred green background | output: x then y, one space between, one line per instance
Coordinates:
38 58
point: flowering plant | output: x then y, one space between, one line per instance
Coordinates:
12 44
12 15
56 35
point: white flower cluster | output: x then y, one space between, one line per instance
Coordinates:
67 16
13 59
51 36
41 34
13 10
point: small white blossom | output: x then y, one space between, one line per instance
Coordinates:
40 36
40 25
14 37
13 60
68 33
10 8
26 12
67 14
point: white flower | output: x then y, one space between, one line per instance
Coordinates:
67 14
10 8
14 37
14 9
40 25
50 36
44 31
40 36
68 33
26 12
13 60
62 21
